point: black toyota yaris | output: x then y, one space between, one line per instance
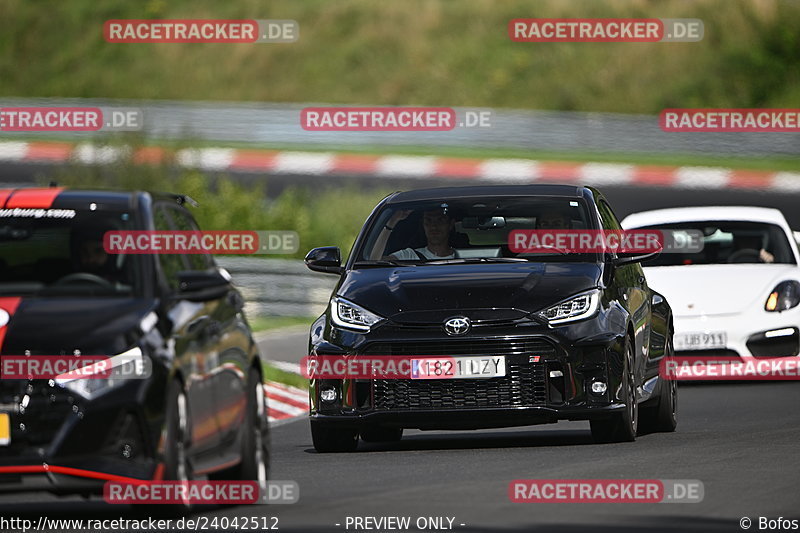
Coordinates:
559 336
200 407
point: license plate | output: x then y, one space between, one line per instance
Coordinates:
5 429
477 367
701 341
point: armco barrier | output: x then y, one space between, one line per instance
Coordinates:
279 287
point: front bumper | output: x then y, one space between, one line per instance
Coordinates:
63 443
549 376
749 335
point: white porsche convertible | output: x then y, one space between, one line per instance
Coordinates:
739 296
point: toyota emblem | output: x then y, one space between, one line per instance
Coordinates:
457 325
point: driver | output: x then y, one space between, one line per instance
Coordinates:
89 255
438 225
753 244
553 219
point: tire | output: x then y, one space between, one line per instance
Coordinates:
332 439
254 465
177 466
621 426
666 413
381 434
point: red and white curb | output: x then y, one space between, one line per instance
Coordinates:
284 402
401 166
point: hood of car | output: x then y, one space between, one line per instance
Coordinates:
483 292
697 290
54 326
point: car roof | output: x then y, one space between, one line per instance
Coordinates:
63 198
482 191
691 214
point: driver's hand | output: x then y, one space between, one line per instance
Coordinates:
399 215
765 257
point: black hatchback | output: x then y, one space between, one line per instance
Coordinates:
196 408
528 337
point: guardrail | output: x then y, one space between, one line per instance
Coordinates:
279 287
266 123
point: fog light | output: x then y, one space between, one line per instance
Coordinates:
599 387
556 374
328 395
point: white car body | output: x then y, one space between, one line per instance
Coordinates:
720 307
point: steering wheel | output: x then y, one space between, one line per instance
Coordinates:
745 255
84 277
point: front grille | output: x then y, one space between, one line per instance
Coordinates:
46 411
524 384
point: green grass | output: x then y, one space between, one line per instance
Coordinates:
267 323
410 52
316 214
287 378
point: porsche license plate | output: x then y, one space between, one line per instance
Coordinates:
707 340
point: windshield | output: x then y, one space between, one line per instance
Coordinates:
730 243
60 253
469 230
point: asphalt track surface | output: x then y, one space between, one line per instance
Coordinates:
739 439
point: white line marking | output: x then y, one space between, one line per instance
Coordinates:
509 170
13 151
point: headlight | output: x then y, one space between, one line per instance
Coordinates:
349 315
106 374
576 308
784 296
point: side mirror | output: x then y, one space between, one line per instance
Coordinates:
203 285
327 259
628 258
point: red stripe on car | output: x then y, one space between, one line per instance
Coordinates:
4 194
9 305
66 470
33 198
